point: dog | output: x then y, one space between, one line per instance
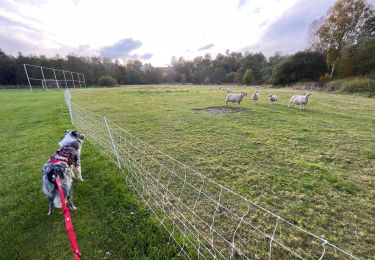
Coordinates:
60 164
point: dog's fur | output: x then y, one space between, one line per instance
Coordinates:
60 164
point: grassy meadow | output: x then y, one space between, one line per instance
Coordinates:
315 168
110 223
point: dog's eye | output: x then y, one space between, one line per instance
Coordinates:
74 133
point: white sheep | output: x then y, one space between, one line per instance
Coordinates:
272 98
221 88
255 96
235 98
299 100
229 90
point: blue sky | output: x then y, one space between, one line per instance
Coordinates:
154 31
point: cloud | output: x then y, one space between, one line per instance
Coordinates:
121 49
146 56
241 3
289 33
206 47
23 37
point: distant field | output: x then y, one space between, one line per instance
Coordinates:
315 168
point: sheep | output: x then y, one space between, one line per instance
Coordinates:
272 98
299 100
229 90
235 98
221 88
255 96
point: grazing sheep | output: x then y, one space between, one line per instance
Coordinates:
299 100
272 98
255 96
229 90
221 88
235 98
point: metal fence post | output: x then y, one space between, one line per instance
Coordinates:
44 80
57 83
112 141
27 75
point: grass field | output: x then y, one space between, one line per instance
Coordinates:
110 222
315 168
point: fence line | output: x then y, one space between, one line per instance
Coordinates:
48 76
205 219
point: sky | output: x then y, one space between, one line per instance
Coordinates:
155 30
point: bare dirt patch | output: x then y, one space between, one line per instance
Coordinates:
219 110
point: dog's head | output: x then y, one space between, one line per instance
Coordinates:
72 137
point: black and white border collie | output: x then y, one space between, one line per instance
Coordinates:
61 164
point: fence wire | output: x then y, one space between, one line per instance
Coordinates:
205 219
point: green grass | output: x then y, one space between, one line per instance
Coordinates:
314 167
111 223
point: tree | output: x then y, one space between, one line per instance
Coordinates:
247 77
298 67
358 61
206 81
341 28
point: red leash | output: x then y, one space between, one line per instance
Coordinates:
68 222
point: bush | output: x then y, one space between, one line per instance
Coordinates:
352 85
247 77
107 81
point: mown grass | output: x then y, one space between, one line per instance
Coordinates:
315 167
111 223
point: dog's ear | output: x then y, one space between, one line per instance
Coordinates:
74 134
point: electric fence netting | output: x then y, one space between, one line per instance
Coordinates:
204 218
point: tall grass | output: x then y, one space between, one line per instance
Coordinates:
352 85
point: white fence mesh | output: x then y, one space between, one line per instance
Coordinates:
204 218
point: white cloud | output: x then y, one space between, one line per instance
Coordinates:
164 28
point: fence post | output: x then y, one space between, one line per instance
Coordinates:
69 103
27 75
57 83
44 80
112 141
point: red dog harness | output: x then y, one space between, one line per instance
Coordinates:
64 154
68 221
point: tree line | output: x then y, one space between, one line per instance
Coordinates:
342 45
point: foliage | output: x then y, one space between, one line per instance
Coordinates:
358 60
305 66
345 22
247 77
107 81
352 85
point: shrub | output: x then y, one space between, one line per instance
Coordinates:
247 77
352 85
107 81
